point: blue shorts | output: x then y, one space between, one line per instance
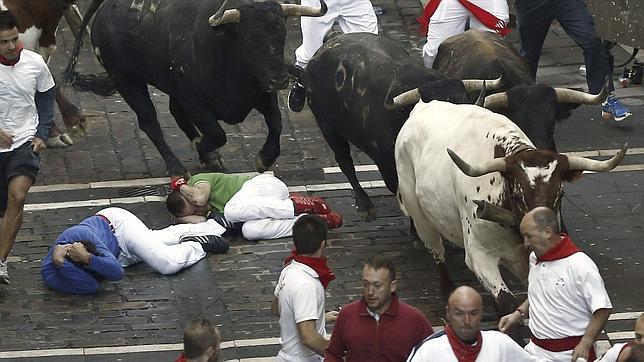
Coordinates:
20 162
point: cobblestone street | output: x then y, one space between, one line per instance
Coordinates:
141 318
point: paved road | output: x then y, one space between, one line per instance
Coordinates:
142 316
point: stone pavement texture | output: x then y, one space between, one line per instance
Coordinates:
603 211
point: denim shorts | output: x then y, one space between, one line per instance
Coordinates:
20 162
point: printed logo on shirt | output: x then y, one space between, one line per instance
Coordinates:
560 283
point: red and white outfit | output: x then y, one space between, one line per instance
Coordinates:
612 355
353 16
300 293
563 293
494 347
448 18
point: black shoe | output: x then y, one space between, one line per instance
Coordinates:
210 243
296 97
232 228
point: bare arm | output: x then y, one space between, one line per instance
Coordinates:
275 308
597 323
198 194
311 338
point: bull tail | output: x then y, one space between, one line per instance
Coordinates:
100 84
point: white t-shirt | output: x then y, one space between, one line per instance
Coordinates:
301 298
18 86
563 295
497 347
612 354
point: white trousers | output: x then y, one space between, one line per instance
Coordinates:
548 356
264 206
450 19
353 16
160 249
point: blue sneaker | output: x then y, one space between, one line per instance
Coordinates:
613 108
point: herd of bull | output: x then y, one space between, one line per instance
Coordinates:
464 166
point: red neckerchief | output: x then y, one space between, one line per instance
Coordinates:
11 63
564 249
181 358
487 19
463 351
325 274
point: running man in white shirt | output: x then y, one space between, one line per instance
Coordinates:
26 109
462 338
299 294
618 351
567 302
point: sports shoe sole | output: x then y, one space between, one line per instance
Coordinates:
608 115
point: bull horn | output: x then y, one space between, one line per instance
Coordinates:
480 101
407 98
494 213
581 163
497 164
496 101
224 16
565 95
301 10
475 85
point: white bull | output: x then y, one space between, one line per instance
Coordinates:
512 174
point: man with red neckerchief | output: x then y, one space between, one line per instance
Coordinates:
299 294
567 302
462 339
618 352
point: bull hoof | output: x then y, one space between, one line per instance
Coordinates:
368 215
59 141
214 162
77 130
260 164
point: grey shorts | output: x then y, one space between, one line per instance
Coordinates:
20 162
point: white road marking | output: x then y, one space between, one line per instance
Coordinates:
271 341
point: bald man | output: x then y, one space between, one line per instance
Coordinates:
462 338
620 351
567 302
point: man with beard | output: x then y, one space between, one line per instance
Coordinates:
619 351
201 342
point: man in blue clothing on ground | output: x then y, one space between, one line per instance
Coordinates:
101 245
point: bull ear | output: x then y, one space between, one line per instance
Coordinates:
571 175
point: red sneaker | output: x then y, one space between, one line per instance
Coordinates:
333 219
310 205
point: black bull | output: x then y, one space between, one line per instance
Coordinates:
534 108
350 83
213 67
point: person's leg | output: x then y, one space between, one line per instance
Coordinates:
534 19
498 8
449 19
266 229
22 166
150 245
578 23
313 30
358 16
262 197
576 20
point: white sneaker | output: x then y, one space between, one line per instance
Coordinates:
4 273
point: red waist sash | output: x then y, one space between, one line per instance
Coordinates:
562 344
